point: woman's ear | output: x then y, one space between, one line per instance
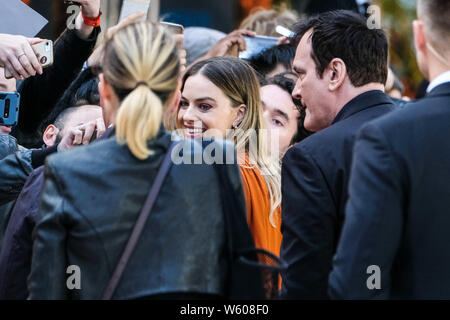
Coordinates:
50 135
241 111
104 88
337 72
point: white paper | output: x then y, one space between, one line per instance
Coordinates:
19 19
132 6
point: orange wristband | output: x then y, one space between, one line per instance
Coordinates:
93 22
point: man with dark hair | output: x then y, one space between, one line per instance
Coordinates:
395 241
273 61
342 69
15 253
281 112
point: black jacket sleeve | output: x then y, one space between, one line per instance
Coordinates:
39 94
374 221
308 226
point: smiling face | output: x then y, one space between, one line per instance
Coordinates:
280 114
311 90
205 109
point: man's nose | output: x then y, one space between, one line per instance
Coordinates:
296 93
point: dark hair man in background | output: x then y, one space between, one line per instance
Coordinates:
398 214
15 253
342 69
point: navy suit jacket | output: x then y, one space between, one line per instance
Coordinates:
315 176
398 213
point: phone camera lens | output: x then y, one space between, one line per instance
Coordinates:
43 60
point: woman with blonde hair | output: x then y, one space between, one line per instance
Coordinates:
221 99
95 196
264 22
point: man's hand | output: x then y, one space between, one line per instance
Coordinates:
18 56
97 55
230 45
90 9
82 135
181 51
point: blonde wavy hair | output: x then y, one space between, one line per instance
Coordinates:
141 64
264 22
239 83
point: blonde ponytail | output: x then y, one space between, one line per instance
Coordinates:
141 64
138 120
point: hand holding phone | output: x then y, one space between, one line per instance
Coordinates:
17 56
43 53
255 45
231 44
9 108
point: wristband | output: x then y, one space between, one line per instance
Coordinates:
93 22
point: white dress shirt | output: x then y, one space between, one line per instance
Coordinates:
441 79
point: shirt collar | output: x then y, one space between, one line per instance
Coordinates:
361 102
441 79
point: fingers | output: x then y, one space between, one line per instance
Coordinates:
128 20
32 64
17 67
20 59
89 129
283 40
183 59
33 41
242 44
101 128
76 135
12 71
131 18
242 32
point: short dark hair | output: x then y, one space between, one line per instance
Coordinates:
82 91
266 61
61 120
288 85
344 34
436 15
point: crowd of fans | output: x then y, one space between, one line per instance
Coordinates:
153 169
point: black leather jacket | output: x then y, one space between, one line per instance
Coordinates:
91 201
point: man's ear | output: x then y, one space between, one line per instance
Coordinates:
336 74
241 111
50 135
420 39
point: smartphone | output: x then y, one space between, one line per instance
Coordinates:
174 28
130 7
256 45
44 54
9 108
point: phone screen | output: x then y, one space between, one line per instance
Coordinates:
130 7
256 45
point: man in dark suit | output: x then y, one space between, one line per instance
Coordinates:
396 240
342 69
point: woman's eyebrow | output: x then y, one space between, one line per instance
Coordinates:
199 99
205 98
